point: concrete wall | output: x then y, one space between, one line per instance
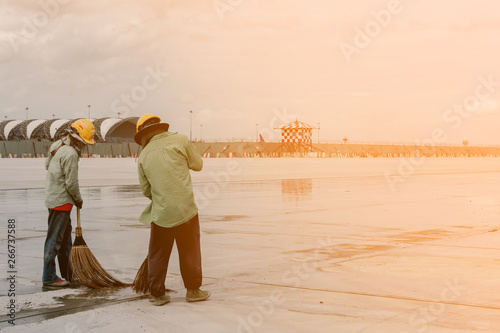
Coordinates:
262 149
272 149
40 149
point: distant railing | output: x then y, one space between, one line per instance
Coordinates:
39 149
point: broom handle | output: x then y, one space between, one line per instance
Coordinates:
78 217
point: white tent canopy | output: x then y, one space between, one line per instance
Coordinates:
55 126
107 124
32 126
10 126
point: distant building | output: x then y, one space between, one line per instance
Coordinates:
114 130
296 137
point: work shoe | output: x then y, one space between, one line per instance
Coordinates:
163 299
196 295
56 285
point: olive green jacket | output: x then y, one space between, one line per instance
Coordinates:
164 177
61 183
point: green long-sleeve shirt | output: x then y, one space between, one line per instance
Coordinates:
165 179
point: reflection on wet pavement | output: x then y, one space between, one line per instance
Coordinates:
294 190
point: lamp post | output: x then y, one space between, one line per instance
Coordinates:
190 125
89 111
26 113
53 115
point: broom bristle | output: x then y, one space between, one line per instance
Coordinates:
79 241
141 283
87 270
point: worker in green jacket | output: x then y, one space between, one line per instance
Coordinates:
62 191
164 177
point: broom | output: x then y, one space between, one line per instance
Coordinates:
85 267
141 283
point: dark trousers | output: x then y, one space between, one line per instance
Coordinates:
57 243
187 238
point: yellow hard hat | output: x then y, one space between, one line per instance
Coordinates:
85 130
149 118
147 122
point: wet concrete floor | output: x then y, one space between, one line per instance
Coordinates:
344 250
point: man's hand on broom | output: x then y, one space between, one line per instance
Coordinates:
79 204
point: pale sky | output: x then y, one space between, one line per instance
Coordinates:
395 76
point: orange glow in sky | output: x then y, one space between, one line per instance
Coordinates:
374 71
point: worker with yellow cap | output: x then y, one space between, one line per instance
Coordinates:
62 191
163 168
